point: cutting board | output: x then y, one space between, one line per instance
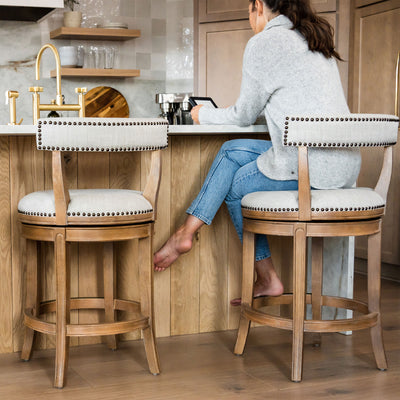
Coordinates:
105 102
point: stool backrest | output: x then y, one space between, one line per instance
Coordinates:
340 131
101 135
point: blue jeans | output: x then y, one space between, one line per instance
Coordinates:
232 175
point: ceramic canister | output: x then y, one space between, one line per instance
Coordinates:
68 56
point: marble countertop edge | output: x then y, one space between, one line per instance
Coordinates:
174 130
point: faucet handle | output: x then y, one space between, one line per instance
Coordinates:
80 90
36 89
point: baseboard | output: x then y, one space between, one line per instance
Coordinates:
389 271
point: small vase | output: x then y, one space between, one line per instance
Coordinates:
72 19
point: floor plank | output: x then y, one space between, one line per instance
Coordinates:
202 366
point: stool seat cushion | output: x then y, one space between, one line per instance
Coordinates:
335 200
88 203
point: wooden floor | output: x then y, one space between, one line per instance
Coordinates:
202 366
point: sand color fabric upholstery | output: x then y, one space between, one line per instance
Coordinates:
352 130
357 199
88 203
128 134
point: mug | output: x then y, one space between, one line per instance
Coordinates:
68 56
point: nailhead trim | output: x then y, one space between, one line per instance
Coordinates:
264 209
98 149
89 214
336 119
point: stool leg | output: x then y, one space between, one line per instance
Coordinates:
147 302
33 259
299 303
316 283
62 309
374 297
109 274
247 290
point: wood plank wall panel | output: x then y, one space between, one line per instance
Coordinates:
213 254
185 184
234 275
6 309
27 175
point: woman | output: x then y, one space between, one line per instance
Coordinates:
289 68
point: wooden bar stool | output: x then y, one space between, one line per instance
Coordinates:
64 216
318 214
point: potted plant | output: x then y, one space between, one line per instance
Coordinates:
72 18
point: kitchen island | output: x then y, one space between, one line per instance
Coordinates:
192 296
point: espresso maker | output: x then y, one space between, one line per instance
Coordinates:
175 108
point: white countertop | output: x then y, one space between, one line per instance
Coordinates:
215 129
17 130
175 130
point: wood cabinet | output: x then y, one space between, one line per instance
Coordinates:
372 90
228 10
221 48
220 45
222 10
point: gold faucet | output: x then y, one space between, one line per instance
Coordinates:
59 106
11 97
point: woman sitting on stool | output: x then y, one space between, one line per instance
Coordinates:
289 68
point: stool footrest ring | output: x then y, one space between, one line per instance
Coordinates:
367 320
100 329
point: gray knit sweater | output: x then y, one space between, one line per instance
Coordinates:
282 77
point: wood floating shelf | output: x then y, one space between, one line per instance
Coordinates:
110 73
94 33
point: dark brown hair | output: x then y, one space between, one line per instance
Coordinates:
315 29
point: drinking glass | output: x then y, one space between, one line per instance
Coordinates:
110 57
90 61
99 57
81 56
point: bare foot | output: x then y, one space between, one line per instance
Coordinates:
270 287
180 242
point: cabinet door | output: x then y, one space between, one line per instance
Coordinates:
376 44
324 5
221 48
222 10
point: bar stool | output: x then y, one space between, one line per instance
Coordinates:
64 216
318 214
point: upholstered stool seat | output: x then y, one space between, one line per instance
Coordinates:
61 217
106 206
317 214
357 203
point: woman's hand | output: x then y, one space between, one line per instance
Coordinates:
195 113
